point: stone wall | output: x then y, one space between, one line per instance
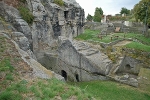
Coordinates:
110 27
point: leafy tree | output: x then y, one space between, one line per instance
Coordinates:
98 14
89 17
124 11
142 13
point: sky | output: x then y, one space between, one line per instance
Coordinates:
109 7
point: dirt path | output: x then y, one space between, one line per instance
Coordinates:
122 43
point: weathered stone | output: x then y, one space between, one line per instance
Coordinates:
38 69
129 65
124 77
12 15
21 40
133 82
88 64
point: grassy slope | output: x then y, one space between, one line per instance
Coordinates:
138 46
106 90
17 82
145 79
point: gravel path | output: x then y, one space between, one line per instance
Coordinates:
122 43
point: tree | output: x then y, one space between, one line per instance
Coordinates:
142 12
98 14
124 11
89 17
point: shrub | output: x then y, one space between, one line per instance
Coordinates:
59 2
26 14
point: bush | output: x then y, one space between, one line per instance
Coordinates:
59 2
26 14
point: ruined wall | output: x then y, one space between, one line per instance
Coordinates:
130 65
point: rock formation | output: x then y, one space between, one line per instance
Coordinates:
50 39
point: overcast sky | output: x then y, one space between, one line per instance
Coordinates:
108 6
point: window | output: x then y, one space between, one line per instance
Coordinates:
66 14
77 77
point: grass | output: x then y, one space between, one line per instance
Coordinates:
92 35
55 87
43 90
59 2
5 65
142 43
144 40
106 90
145 79
10 95
88 34
26 14
138 46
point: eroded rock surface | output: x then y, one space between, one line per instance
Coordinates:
81 62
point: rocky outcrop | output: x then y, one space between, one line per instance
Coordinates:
52 20
20 31
81 62
38 69
12 15
23 42
54 27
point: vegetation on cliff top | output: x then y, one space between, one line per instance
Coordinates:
26 14
59 2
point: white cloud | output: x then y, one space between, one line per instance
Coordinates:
108 6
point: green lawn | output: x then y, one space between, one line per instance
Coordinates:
106 90
92 35
138 46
